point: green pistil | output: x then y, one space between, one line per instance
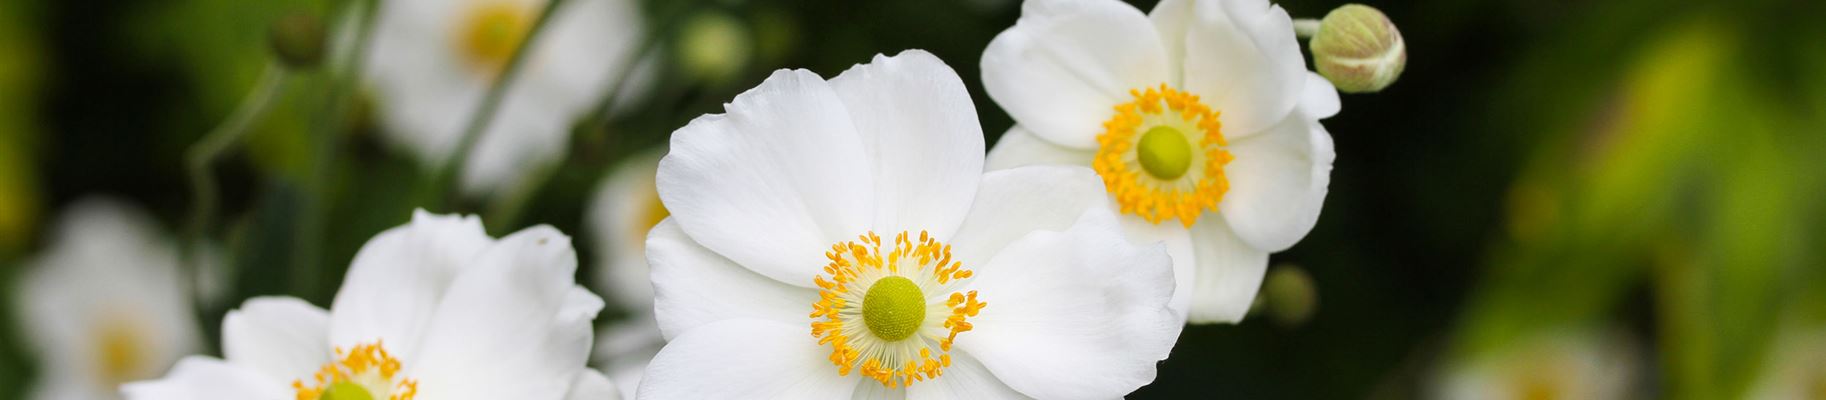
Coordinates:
894 308
1165 153
346 391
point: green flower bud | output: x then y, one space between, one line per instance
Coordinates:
1290 295
714 47
298 40
1358 49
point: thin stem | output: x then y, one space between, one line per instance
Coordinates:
1305 28
308 238
198 160
491 102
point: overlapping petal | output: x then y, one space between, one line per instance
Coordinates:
1278 183
282 337
694 286
748 359
1065 63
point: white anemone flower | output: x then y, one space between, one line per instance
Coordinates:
1200 117
626 206
839 239
434 309
1573 364
105 304
432 61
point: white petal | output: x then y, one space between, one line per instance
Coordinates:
693 286
776 181
1015 202
1078 314
1066 63
1278 183
747 359
1019 147
591 385
398 278
1242 58
621 213
283 337
1178 241
1228 275
966 378
515 325
868 389
920 128
1321 98
203 378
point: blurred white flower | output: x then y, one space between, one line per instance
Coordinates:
861 202
105 304
432 61
1200 117
625 207
1574 364
435 308
1795 365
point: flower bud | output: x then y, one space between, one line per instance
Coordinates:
714 47
1358 49
298 40
1290 295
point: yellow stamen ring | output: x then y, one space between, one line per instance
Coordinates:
1149 162
366 371
872 308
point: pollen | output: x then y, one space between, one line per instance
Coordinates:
1162 156
873 307
366 371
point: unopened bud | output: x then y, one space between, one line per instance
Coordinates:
298 40
714 47
1290 295
1358 49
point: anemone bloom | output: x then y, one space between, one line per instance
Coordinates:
106 304
434 309
626 206
433 60
839 239
1200 117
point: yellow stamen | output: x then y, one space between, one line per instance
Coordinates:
367 367
884 342
491 32
1149 174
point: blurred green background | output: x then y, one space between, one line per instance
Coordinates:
1651 170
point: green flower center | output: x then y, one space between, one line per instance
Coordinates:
346 391
1164 152
894 308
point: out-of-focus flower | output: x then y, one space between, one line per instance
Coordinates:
1557 365
432 61
1359 49
626 206
862 202
435 308
105 304
1200 117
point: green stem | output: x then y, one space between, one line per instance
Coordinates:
491 102
202 155
308 238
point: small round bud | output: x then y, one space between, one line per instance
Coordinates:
714 47
1290 295
1358 49
298 40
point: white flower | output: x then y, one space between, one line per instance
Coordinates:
433 60
1575 364
106 304
838 239
625 208
434 309
1200 117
